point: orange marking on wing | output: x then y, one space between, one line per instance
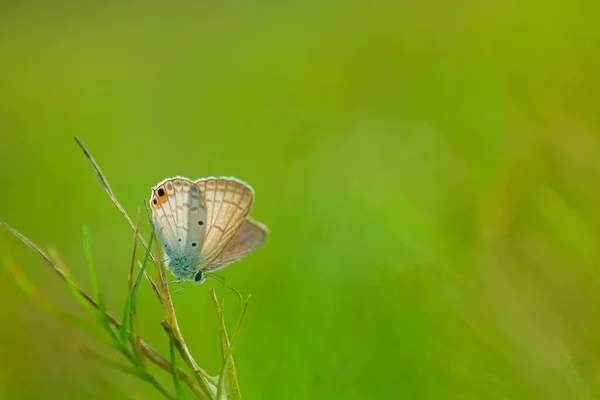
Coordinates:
163 198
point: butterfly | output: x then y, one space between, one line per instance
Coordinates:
203 225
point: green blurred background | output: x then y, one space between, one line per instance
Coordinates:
430 175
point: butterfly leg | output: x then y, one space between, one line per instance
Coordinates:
174 281
182 287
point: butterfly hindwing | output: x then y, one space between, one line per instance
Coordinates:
248 238
228 202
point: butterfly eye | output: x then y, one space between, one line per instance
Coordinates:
199 277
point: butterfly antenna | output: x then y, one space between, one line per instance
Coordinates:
221 280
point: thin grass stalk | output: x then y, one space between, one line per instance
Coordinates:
171 325
113 198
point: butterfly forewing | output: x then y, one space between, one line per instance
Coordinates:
179 214
228 202
248 238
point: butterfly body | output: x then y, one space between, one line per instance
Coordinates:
203 225
183 265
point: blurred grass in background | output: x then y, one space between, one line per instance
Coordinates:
429 174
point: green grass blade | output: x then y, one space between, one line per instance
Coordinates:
134 371
78 295
115 364
93 275
136 232
138 279
176 380
127 324
101 314
228 387
125 320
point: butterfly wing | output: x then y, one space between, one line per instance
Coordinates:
179 214
248 238
228 202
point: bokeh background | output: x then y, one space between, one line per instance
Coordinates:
429 173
